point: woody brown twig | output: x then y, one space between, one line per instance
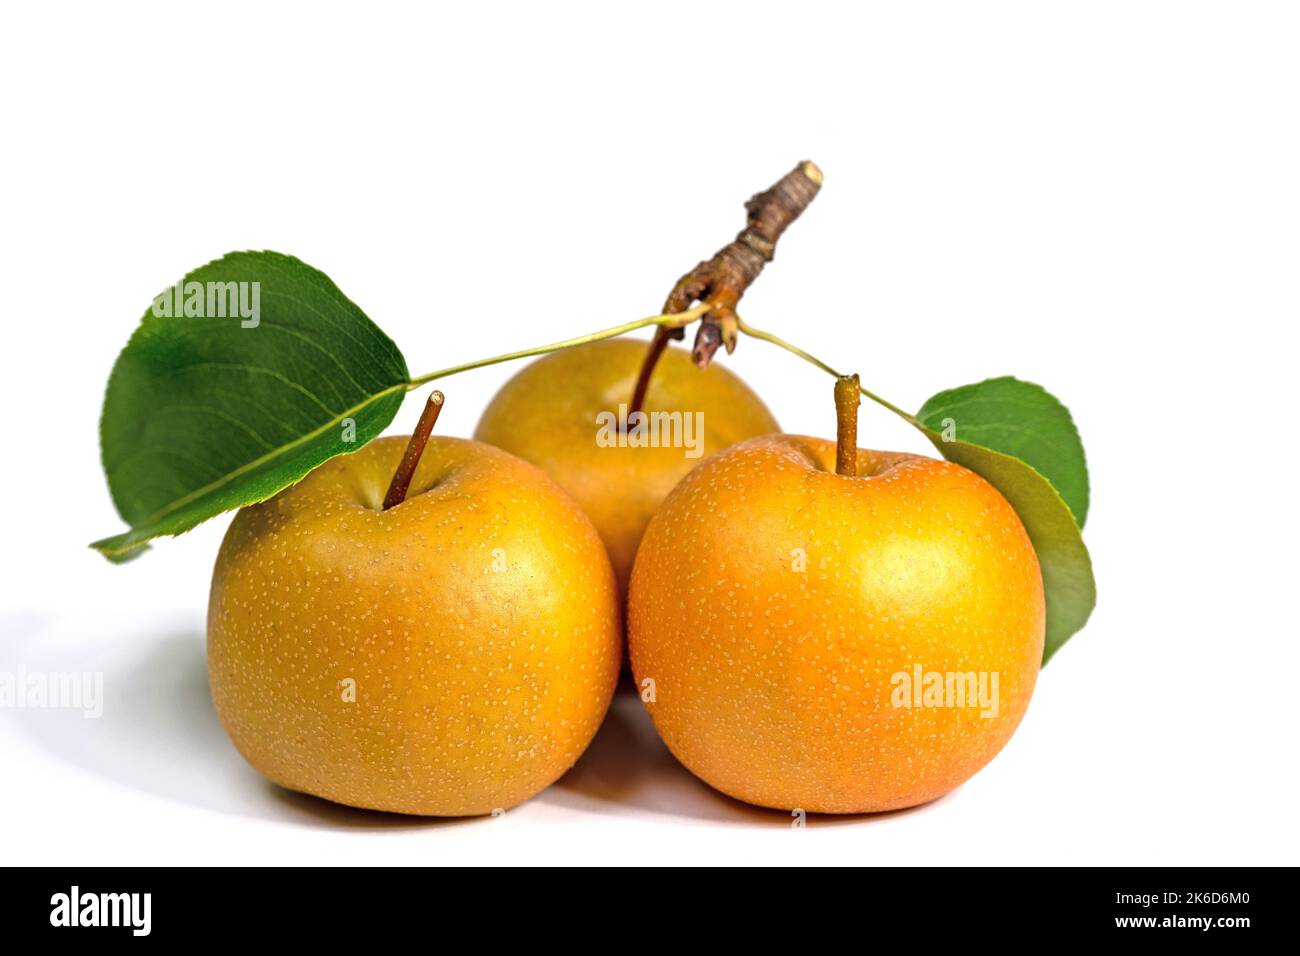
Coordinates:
720 282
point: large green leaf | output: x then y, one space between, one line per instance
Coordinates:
208 413
1019 419
1020 439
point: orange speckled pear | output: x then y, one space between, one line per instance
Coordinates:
775 604
547 414
449 656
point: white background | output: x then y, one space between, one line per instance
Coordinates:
1101 197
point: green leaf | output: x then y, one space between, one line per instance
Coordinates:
206 414
1068 585
1020 439
1019 419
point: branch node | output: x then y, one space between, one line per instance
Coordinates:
720 282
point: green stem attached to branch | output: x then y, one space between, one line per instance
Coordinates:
674 320
813 360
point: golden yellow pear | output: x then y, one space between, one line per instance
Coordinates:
836 643
552 412
452 655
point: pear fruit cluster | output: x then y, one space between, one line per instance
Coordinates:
804 636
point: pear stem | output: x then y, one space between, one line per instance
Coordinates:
657 346
401 482
846 425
